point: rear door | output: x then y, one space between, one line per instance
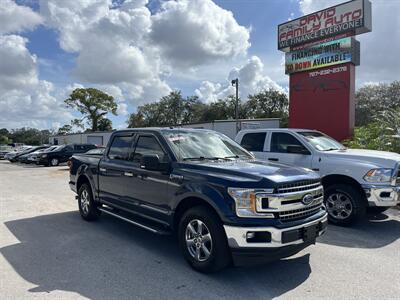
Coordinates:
113 167
255 142
66 153
278 150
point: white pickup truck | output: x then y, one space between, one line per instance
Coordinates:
353 179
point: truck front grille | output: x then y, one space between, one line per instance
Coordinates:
298 214
291 201
298 186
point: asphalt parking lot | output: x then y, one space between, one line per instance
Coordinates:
47 250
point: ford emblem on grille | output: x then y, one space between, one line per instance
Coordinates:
307 199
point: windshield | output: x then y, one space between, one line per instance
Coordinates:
189 145
321 141
96 151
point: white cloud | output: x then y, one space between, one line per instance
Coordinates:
111 44
195 32
17 65
251 80
125 45
24 99
16 18
310 6
34 108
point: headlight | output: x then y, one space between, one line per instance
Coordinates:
379 175
44 155
245 200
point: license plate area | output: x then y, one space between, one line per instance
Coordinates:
307 234
310 233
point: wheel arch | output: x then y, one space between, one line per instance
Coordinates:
343 179
186 204
81 180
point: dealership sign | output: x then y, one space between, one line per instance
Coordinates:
352 17
326 54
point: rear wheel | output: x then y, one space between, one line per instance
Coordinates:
54 162
344 204
87 206
203 241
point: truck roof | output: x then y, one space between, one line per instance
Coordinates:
162 129
278 129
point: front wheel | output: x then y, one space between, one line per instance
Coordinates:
87 206
203 241
54 162
344 204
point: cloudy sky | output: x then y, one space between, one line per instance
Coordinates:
139 50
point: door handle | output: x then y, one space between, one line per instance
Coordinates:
273 159
103 170
128 174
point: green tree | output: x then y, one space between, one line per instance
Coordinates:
172 109
93 104
222 109
374 98
105 124
4 139
28 136
136 120
4 136
65 129
381 134
268 104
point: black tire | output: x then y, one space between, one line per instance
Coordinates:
54 162
376 210
89 212
350 198
220 256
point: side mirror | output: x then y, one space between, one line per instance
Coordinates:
297 150
150 162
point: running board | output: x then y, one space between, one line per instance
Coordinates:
147 227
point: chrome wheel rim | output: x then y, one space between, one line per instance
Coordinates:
54 161
198 240
339 206
85 202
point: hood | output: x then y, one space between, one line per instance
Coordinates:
379 158
250 170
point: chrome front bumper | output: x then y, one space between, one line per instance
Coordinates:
237 236
379 195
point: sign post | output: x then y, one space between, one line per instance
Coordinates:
320 58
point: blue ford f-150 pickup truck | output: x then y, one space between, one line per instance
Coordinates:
223 204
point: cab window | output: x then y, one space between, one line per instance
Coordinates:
120 148
148 145
254 141
280 141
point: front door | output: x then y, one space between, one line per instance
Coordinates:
149 188
280 143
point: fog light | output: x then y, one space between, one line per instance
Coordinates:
250 235
258 237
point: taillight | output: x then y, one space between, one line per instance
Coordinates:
69 164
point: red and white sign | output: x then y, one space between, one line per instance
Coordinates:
352 17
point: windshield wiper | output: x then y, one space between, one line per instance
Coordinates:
331 149
232 156
205 158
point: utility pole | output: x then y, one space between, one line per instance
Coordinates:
235 83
